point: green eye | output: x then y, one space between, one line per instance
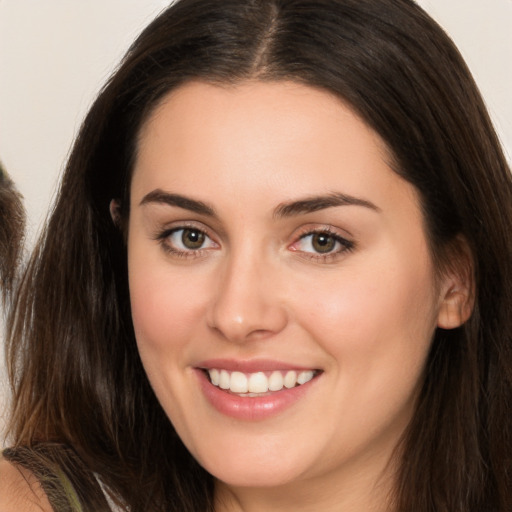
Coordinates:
186 240
323 242
320 243
192 238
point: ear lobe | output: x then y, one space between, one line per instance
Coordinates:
457 287
455 310
115 212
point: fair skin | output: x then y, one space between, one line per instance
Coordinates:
20 491
342 287
268 234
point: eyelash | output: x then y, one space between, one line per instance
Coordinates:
345 245
164 237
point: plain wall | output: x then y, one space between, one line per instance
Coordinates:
56 54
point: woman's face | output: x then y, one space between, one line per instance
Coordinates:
282 292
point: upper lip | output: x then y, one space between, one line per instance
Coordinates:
250 366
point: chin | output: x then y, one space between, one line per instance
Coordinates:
255 477
257 466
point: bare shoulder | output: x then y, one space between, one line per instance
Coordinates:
20 490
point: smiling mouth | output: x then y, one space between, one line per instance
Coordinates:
258 383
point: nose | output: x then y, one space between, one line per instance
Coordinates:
247 303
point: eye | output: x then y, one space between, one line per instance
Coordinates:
192 239
319 242
185 240
322 244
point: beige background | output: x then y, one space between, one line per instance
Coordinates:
56 54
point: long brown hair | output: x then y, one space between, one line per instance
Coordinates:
76 374
12 229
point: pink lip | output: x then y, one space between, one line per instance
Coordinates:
252 366
250 408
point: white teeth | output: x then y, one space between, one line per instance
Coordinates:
215 377
305 377
224 379
258 383
275 381
290 379
238 383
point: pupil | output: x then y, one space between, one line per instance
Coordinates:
192 238
323 243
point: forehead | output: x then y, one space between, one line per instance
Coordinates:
256 110
274 139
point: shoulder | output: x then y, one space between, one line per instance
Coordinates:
20 490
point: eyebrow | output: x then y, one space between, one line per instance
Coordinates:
299 207
160 197
316 203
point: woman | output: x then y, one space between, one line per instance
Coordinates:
12 223
277 275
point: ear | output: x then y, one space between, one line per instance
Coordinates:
457 290
115 211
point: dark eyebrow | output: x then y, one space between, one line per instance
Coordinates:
160 197
316 203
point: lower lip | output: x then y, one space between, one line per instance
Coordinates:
251 408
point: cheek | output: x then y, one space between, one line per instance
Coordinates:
166 306
373 318
157 313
